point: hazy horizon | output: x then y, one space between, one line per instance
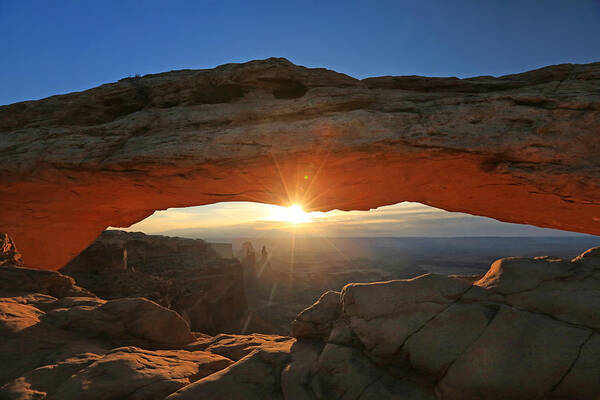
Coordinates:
248 220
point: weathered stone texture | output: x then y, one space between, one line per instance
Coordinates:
519 148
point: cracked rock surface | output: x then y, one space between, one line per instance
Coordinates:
526 330
518 148
504 336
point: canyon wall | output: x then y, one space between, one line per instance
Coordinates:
519 148
184 275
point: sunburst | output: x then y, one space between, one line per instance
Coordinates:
293 214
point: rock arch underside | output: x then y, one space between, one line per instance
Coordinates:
520 148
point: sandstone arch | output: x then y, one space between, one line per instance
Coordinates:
520 148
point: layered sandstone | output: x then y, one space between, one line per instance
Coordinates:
519 148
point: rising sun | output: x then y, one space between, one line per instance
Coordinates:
293 214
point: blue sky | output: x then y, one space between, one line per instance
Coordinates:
51 47
54 47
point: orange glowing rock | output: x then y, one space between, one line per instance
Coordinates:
520 148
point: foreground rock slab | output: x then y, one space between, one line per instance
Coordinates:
503 336
36 327
255 376
518 148
59 347
525 330
122 373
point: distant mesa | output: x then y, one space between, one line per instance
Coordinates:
224 250
256 266
185 275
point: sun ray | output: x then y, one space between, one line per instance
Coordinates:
315 176
326 239
293 249
283 181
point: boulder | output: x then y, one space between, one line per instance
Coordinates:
525 330
519 274
128 320
372 300
16 317
15 281
236 347
255 376
567 290
132 373
29 342
507 336
41 383
316 320
33 335
385 314
125 372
